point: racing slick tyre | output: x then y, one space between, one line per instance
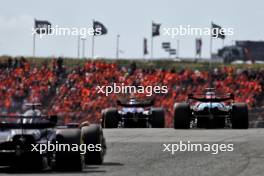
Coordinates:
239 117
93 136
157 118
69 159
182 116
110 118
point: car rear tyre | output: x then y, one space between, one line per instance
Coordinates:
182 116
239 116
93 136
110 118
158 118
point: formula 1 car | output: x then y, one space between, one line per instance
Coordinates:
211 110
66 147
134 113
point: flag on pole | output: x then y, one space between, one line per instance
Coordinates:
155 29
172 51
198 45
42 27
99 28
165 45
145 46
217 31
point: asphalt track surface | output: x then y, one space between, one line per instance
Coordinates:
140 152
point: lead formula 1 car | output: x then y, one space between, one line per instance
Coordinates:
210 110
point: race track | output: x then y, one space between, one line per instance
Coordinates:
140 152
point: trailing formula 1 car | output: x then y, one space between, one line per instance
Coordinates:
33 141
134 113
210 110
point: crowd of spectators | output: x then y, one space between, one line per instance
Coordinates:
20 84
75 97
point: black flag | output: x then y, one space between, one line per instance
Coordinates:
155 29
99 28
145 46
172 51
166 45
217 31
198 45
42 27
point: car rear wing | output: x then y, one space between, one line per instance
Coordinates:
138 103
23 122
214 98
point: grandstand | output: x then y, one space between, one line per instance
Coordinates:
67 87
